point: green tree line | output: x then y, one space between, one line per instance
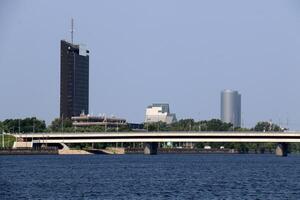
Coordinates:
26 125
32 124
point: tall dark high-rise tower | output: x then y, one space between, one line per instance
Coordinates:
74 80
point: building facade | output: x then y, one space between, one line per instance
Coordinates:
74 80
159 112
88 120
231 107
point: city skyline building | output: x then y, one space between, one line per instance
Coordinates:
74 79
89 120
231 107
159 112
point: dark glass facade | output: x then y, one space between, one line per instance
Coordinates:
74 80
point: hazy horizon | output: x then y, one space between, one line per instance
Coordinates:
143 52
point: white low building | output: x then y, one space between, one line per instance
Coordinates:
159 112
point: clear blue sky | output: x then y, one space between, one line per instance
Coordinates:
180 52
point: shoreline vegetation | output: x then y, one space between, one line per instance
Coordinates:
8 141
32 124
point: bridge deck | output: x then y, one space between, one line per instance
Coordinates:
162 137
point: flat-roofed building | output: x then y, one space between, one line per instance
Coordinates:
159 112
88 120
74 79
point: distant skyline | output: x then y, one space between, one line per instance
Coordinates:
142 52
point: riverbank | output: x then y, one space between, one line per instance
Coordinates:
55 151
29 151
120 151
183 151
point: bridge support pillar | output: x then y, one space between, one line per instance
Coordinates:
282 149
150 148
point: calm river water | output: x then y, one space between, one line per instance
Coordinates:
169 176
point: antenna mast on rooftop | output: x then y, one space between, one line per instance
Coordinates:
72 29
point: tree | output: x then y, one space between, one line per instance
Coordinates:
59 124
266 126
26 125
218 125
182 125
1 126
190 125
156 126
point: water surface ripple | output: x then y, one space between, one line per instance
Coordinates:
169 176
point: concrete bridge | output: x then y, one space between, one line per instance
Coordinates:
151 139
